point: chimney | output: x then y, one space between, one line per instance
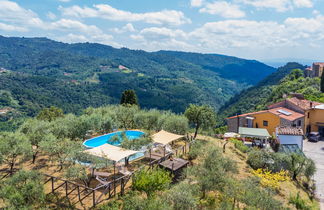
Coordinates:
311 104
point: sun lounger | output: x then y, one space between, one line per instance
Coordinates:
102 182
102 174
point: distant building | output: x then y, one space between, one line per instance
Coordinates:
121 67
5 111
315 71
291 112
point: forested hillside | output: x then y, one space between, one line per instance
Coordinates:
232 68
288 79
40 72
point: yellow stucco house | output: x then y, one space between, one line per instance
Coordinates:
314 120
291 112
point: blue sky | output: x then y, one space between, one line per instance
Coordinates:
254 29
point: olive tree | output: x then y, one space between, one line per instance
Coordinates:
144 140
147 119
182 196
50 114
212 171
62 150
12 147
24 190
79 171
176 124
36 131
150 181
201 116
125 116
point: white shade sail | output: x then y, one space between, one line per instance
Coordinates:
164 137
110 152
231 135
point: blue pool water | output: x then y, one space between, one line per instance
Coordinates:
108 138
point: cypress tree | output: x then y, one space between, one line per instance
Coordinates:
129 97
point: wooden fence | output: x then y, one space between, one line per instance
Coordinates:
97 195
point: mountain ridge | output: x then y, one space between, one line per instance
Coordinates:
45 72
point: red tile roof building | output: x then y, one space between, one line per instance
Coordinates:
291 112
315 71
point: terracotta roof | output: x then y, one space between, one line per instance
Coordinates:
247 114
290 131
293 115
303 103
319 63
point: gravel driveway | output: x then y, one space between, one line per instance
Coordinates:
315 151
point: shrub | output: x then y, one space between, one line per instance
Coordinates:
281 161
259 159
151 180
240 145
297 165
298 202
182 196
196 148
257 197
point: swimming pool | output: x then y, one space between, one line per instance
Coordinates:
108 138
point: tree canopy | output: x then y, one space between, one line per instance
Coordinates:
24 190
129 97
200 116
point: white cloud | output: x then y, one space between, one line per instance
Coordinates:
159 34
74 25
196 3
313 26
6 27
51 16
12 13
127 28
316 12
105 11
224 9
77 38
303 3
279 5
240 33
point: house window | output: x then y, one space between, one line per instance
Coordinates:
265 123
308 115
299 123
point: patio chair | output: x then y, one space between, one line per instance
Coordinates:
102 182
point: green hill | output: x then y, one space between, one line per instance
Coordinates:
75 76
